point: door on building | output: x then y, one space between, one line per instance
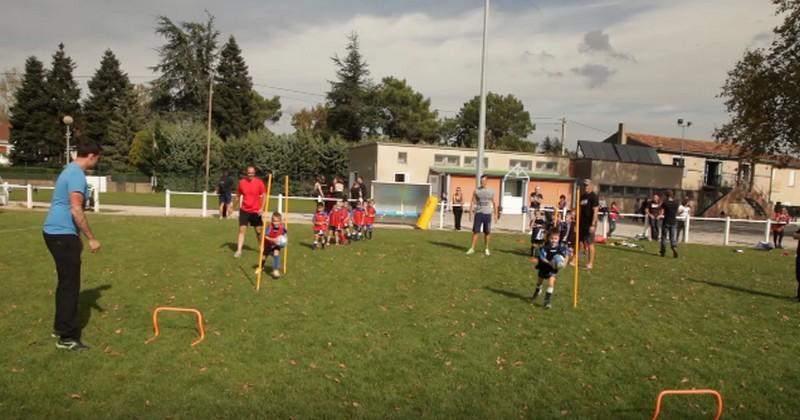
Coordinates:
713 175
743 179
513 196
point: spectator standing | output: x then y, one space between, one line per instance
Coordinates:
590 209
669 213
781 220
655 217
225 194
458 207
684 212
484 210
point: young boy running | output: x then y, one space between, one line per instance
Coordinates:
320 227
552 257
274 240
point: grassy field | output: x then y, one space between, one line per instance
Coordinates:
158 200
404 326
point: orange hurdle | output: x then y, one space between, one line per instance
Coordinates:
689 392
169 309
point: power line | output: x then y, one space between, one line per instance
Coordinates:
302 92
590 127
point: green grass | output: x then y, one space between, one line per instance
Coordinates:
158 200
405 326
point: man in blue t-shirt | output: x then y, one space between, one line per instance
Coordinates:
62 227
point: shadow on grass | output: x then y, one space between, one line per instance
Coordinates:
508 294
232 246
517 252
247 276
639 251
449 245
742 289
88 301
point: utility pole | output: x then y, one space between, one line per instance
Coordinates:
208 137
482 117
563 136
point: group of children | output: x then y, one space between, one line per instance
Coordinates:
342 226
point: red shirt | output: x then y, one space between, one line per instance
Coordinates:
275 231
250 192
370 215
359 217
344 216
320 220
334 218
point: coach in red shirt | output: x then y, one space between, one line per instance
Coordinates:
251 196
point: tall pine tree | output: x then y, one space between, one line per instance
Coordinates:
64 94
29 116
108 88
126 119
351 112
234 112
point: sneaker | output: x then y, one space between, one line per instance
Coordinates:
55 335
487 252
276 274
674 253
71 344
470 251
237 254
548 305
536 294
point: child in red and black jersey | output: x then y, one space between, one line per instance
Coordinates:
275 239
334 224
359 221
370 218
343 229
320 227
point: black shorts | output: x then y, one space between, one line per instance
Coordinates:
252 219
585 234
225 198
482 221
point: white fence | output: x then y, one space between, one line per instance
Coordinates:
723 231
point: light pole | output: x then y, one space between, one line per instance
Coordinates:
683 125
482 115
67 120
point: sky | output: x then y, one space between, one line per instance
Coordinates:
596 63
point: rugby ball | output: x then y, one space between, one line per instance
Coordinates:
559 261
282 241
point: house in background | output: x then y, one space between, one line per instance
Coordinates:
443 169
719 177
623 173
5 143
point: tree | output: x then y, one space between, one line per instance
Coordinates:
313 122
186 63
762 93
550 146
125 121
180 154
267 111
10 82
64 95
507 124
111 101
29 116
234 110
351 113
404 113
141 154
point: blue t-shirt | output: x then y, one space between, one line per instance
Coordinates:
59 218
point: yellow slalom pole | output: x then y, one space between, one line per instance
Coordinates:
264 217
286 223
576 281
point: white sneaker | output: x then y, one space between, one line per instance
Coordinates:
487 252
276 273
470 251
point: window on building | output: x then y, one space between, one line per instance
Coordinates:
402 157
524 164
791 178
630 191
400 177
644 192
447 160
681 162
617 190
469 162
604 189
548 166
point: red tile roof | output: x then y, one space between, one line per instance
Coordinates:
672 144
5 130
